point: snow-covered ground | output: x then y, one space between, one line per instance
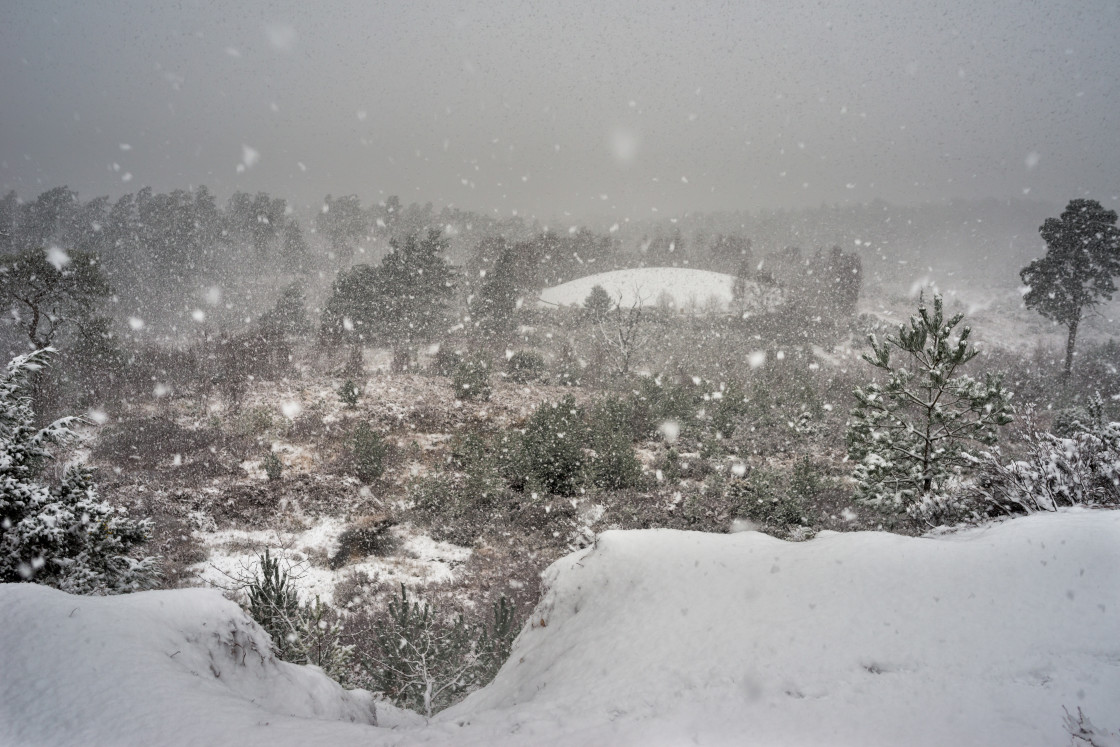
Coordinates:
162 667
680 287
652 637
234 559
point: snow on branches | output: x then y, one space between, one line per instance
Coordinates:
1080 469
63 536
909 432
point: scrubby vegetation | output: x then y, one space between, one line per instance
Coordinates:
440 428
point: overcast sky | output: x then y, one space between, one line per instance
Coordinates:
633 109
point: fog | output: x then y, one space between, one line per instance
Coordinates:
543 109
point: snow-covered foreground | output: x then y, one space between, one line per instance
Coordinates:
651 637
681 287
162 667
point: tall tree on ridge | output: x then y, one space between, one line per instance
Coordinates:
1082 256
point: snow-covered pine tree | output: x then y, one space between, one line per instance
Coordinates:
425 664
64 536
414 286
909 432
274 604
301 633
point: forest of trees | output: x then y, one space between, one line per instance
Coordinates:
160 261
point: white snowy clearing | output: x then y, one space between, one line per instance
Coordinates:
234 559
647 638
677 287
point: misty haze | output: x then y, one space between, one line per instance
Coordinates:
559 373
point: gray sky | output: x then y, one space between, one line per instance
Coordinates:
589 107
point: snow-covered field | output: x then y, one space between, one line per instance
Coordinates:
680 287
651 637
234 559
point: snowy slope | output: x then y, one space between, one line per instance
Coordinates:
161 667
664 637
652 637
682 286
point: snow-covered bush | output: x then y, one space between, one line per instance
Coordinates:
525 366
1083 468
427 663
553 446
301 633
944 509
767 498
909 433
63 536
471 379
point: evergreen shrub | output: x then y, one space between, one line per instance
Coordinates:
63 536
525 367
472 379
368 451
553 446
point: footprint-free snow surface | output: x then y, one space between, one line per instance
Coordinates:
651 637
648 286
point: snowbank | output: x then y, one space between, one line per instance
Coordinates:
161 667
682 286
653 637
665 637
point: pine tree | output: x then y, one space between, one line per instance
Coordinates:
495 641
273 467
425 664
909 432
1082 256
471 379
301 633
349 394
494 309
369 449
343 223
46 291
274 604
553 446
288 318
614 465
414 288
598 303
351 310
64 536
294 250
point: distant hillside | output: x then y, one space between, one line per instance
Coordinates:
677 287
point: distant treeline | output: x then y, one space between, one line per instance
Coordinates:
165 254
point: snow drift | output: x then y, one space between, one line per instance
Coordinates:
652 637
666 637
159 667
